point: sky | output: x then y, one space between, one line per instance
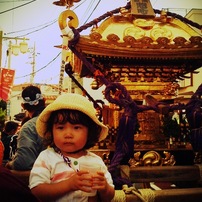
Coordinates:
37 20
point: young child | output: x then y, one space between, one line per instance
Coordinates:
70 127
8 134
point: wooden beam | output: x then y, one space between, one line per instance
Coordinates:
171 195
165 174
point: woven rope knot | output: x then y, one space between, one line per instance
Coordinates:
146 195
117 94
128 190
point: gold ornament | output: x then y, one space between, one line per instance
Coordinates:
73 19
143 23
68 3
161 32
135 32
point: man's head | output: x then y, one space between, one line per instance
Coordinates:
32 98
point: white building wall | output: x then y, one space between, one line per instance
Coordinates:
15 103
194 15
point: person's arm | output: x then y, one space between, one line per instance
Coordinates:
48 192
28 149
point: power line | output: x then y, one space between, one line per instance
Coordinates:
12 1
92 11
88 9
17 7
41 67
36 30
44 26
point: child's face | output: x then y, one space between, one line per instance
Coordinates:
69 137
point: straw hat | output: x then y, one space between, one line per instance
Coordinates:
69 101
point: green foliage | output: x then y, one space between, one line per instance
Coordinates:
2 104
2 114
2 111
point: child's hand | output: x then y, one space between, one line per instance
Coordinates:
105 191
81 180
99 181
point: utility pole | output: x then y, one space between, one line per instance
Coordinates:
12 49
1 38
33 63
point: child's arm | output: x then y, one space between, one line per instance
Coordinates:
49 192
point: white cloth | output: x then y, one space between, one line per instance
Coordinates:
51 168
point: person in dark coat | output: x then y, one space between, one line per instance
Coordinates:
13 189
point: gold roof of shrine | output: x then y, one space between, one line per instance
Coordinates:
127 47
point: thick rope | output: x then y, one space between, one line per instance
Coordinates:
68 70
117 94
119 196
181 18
99 19
147 194
128 6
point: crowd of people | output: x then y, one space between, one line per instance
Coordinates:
51 144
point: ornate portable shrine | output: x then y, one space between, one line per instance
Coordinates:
126 48
139 53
